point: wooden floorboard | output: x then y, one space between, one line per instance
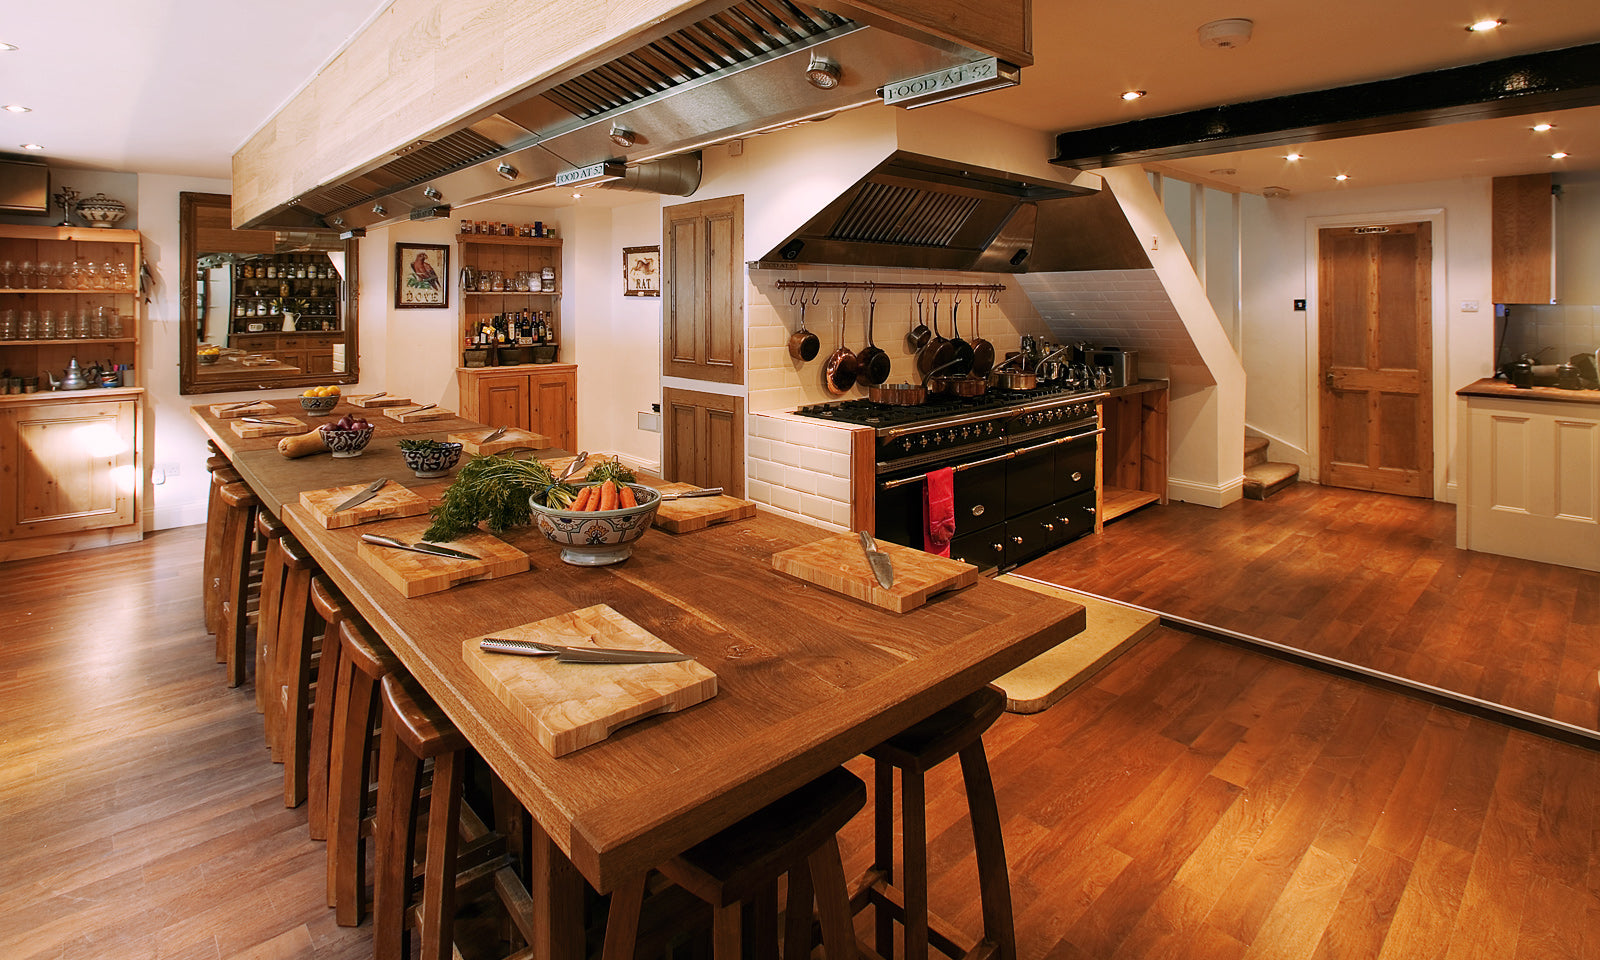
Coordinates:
1193 800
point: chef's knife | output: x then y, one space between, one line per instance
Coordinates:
882 566
425 406
432 549
363 496
280 423
531 648
240 406
498 433
702 492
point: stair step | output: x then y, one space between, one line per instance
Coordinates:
1263 480
1255 451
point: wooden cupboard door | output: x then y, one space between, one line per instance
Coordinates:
1376 358
67 467
1522 240
703 290
555 407
504 401
703 439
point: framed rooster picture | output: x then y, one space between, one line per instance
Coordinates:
421 275
641 271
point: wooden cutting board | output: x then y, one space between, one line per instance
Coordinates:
413 415
248 431
392 502
373 400
514 437
697 513
571 705
259 408
838 564
417 574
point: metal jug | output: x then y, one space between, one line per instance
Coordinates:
73 379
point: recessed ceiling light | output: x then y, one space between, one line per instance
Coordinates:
577 195
1484 26
1341 177
1559 155
17 108
7 47
1133 94
1543 127
1293 156
32 146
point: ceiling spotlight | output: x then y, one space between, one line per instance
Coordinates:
577 194
17 108
379 209
1537 128
432 193
623 137
32 146
1291 157
1133 95
1559 155
1484 26
1341 177
823 73
7 47
506 170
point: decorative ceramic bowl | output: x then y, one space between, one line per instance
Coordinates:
102 211
435 461
594 538
207 357
346 443
318 406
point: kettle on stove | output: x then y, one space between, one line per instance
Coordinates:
72 379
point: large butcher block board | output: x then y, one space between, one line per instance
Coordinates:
515 437
416 414
838 564
374 400
391 502
696 513
418 574
249 431
228 411
571 705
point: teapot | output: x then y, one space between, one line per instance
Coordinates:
73 379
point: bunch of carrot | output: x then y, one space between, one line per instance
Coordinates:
609 495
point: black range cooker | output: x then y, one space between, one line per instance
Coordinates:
1023 462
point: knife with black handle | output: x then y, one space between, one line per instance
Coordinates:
533 648
431 549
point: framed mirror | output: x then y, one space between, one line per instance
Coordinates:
262 309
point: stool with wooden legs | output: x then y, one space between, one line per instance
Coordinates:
363 663
269 530
956 730
236 539
737 872
463 857
293 672
222 474
332 609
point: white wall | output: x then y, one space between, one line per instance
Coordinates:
1279 345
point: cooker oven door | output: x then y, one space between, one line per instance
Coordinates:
980 499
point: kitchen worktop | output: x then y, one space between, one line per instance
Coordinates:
1488 387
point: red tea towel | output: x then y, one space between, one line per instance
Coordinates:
939 511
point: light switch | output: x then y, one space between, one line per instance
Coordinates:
650 421
1469 306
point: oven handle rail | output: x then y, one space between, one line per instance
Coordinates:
1009 454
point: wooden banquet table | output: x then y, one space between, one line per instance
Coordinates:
807 678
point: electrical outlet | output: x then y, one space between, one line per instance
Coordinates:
650 421
1469 306
170 468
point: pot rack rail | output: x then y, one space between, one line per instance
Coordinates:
871 286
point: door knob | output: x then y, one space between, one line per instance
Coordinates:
1327 378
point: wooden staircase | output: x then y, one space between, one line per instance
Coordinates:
1263 478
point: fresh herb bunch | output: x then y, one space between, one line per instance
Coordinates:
610 470
495 489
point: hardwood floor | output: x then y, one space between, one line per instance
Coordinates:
1195 800
1371 579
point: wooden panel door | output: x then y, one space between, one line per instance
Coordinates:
702 309
1376 358
504 401
68 467
703 439
1522 240
554 398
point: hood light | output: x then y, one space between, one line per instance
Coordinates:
823 73
432 193
7 47
379 209
32 146
1341 177
1559 155
1293 157
17 108
1484 26
506 170
1133 94
622 136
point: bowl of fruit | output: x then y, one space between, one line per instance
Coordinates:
208 354
347 436
320 401
430 458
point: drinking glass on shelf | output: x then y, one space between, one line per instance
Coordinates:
8 274
86 325
29 330
58 276
124 277
25 275
47 326
113 322
8 325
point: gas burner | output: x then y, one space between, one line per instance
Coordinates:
866 413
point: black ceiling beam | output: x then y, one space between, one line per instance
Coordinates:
1554 80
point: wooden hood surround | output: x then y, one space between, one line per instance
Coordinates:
433 86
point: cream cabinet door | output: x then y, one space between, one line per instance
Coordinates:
68 466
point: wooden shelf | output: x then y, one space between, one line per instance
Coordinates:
57 290
69 341
513 293
508 241
1117 501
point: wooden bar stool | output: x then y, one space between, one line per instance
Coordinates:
332 609
293 672
238 532
955 730
737 872
363 663
416 730
269 530
222 474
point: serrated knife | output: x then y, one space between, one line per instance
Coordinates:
431 549
533 648
882 566
363 496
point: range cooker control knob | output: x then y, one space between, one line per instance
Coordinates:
905 443
924 442
989 428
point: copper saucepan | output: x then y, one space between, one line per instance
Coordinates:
1013 379
872 364
904 394
803 344
839 375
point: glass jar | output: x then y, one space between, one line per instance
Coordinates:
8 325
86 325
47 326
113 321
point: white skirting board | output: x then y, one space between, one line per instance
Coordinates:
1205 494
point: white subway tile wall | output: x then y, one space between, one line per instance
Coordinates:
1550 333
800 467
1120 308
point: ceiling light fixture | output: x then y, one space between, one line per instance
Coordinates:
1226 34
1543 127
7 47
1133 94
622 136
506 170
823 73
1484 26
577 194
1559 155
32 146
1293 156
1341 177
17 108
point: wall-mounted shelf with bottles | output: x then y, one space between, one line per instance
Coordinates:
264 286
510 284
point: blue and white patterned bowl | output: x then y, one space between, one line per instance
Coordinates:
594 538
346 443
435 461
318 406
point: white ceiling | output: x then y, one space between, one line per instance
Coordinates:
180 84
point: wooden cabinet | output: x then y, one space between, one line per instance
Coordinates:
1133 449
59 283
539 397
1523 240
262 285
702 310
520 263
70 463
702 436
308 352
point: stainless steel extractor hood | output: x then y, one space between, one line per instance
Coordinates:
745 70
930 213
